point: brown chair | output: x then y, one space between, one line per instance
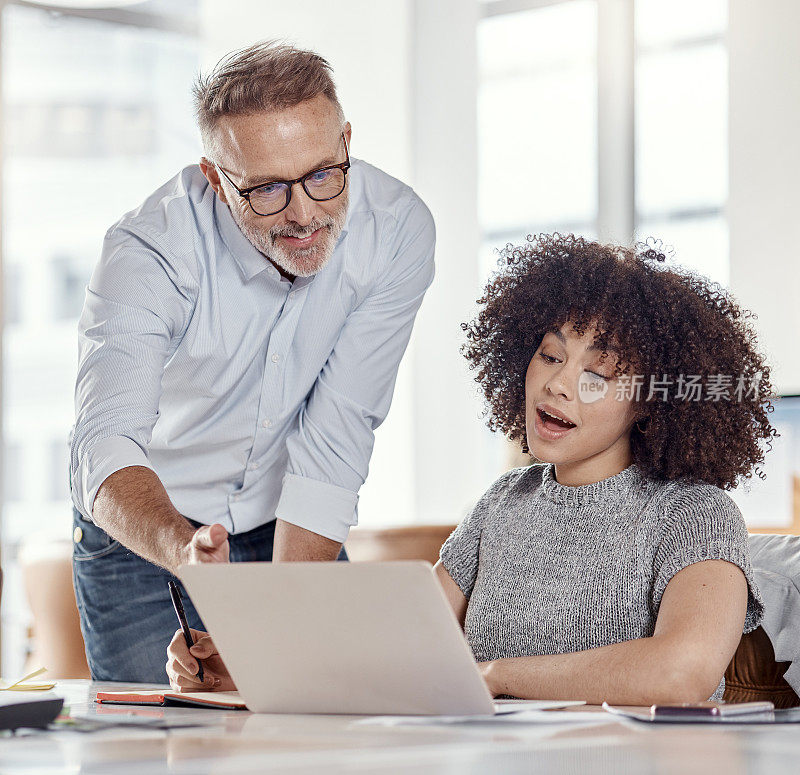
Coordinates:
57 642
754 675
418 542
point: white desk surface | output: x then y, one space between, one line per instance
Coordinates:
241 742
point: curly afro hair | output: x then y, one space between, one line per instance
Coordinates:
662 323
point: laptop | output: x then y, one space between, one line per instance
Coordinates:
338 637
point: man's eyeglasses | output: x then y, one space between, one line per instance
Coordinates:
320 185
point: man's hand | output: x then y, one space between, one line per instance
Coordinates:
208 544
182 665
133 507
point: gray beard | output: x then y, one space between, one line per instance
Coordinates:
301 262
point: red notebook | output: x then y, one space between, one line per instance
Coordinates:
225 700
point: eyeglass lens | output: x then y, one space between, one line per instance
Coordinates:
319 185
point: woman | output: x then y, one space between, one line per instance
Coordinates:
617 568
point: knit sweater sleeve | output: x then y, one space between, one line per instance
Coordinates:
703 523
460 552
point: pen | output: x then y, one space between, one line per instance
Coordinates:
175 594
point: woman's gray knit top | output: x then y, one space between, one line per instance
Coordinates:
551 569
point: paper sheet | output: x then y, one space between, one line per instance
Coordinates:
515 706
20 686
523 717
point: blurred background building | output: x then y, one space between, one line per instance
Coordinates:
615 119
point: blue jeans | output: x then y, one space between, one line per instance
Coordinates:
126 613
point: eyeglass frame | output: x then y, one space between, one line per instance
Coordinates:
244 193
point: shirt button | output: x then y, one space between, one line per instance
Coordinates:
275 357
234 497
253 466
266 424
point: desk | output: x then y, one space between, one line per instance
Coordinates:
243 743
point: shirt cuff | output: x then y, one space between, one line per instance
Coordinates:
105 457
322 508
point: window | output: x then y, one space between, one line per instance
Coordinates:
12 470
538 114
58 470
681 130
772 503
97 114
12 292
69 278
537 123
539 150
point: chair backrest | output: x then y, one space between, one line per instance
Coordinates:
754 675
766 665
416 542
57 639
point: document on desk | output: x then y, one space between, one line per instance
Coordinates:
517 706
527 712
24 685
543 717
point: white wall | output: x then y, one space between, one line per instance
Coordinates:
764 200
368 44
453 458
406 74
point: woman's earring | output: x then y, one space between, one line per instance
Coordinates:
639 428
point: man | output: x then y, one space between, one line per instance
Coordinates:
239 345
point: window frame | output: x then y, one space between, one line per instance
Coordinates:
617 216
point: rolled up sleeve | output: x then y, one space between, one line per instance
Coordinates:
135 311
329 452
704 523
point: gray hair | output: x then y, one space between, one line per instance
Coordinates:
265 76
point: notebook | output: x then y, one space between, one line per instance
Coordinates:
225 700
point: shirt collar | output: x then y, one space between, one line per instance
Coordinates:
249 260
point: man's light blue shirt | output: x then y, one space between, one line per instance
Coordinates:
250 396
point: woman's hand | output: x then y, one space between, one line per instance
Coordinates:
182 665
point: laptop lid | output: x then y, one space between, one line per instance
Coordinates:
328 637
